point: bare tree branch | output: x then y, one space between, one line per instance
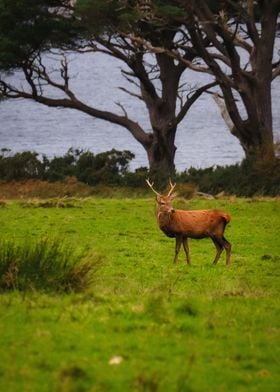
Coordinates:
131 93
221 104
123 109
171 53
191 99
134 128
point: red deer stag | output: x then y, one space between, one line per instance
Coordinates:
181 224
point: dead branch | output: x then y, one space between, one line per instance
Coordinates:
123 109
131 93
224 111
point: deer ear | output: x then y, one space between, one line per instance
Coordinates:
173 195
158 198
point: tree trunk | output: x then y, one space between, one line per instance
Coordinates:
257 143
255 132
162 112
161 153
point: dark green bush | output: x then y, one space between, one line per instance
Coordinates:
24 165
58 168
245 179
111 168
107 167
135 179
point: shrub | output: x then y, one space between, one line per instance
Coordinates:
135 179
60 167
21 166
245 179
110 169
106 168
48 265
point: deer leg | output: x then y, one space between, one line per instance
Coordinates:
227 246
219 247
177 248
186 249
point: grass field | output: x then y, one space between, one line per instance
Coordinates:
145 324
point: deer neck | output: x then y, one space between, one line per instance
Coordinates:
164 217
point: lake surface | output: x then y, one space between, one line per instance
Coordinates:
202 139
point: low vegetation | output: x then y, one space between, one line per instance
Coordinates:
45 265
141 323
245 179
111 169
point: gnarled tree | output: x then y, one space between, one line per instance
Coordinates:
107 27
240 37
252 32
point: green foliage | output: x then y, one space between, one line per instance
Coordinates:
47 264
169 10
59 167
99 16
27 26
107 167
135 179
111 168
20 166
246 179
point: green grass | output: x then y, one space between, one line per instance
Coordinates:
168 327
47 264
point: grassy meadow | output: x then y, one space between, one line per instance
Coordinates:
143 323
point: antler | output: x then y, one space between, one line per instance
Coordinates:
151 185
172 186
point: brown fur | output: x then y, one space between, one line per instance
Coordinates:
197 224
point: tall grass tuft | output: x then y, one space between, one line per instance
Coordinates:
46 264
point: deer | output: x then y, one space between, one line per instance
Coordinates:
196 224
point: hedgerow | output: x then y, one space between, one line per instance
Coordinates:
111 169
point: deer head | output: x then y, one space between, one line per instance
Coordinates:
164 202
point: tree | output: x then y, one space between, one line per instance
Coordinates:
240 36
108 27
202 35
253 30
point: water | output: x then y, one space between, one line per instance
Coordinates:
202 139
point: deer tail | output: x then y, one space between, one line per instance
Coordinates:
226 217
